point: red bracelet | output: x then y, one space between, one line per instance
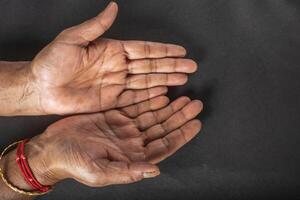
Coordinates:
26 171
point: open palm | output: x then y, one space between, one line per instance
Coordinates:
121 146
80 72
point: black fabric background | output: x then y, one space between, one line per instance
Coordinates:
249 80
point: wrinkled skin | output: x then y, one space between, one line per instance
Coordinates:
79 72
118 146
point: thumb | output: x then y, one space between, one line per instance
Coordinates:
92 28
147 170
124 173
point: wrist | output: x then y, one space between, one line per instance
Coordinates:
40 162
19 92
37 164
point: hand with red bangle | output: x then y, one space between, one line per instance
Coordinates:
114 147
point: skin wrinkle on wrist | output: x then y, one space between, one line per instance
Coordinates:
18 92
37 157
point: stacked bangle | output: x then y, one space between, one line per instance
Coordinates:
27 173
25 169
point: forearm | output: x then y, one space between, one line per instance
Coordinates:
18 95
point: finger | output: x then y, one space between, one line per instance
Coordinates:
130 97
143 49
187 113
124 173
150 105
153 80
149 119
92 28
162 148
165 65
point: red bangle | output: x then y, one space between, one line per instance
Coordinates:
26 171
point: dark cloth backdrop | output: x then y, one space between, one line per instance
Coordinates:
249 79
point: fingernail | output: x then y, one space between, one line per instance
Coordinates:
112 3
150 174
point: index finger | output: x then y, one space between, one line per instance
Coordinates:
144 49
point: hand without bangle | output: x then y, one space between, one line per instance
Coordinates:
78 72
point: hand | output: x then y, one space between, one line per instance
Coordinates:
115 147
78 72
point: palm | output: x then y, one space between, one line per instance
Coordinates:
73 75
118 144
78 72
